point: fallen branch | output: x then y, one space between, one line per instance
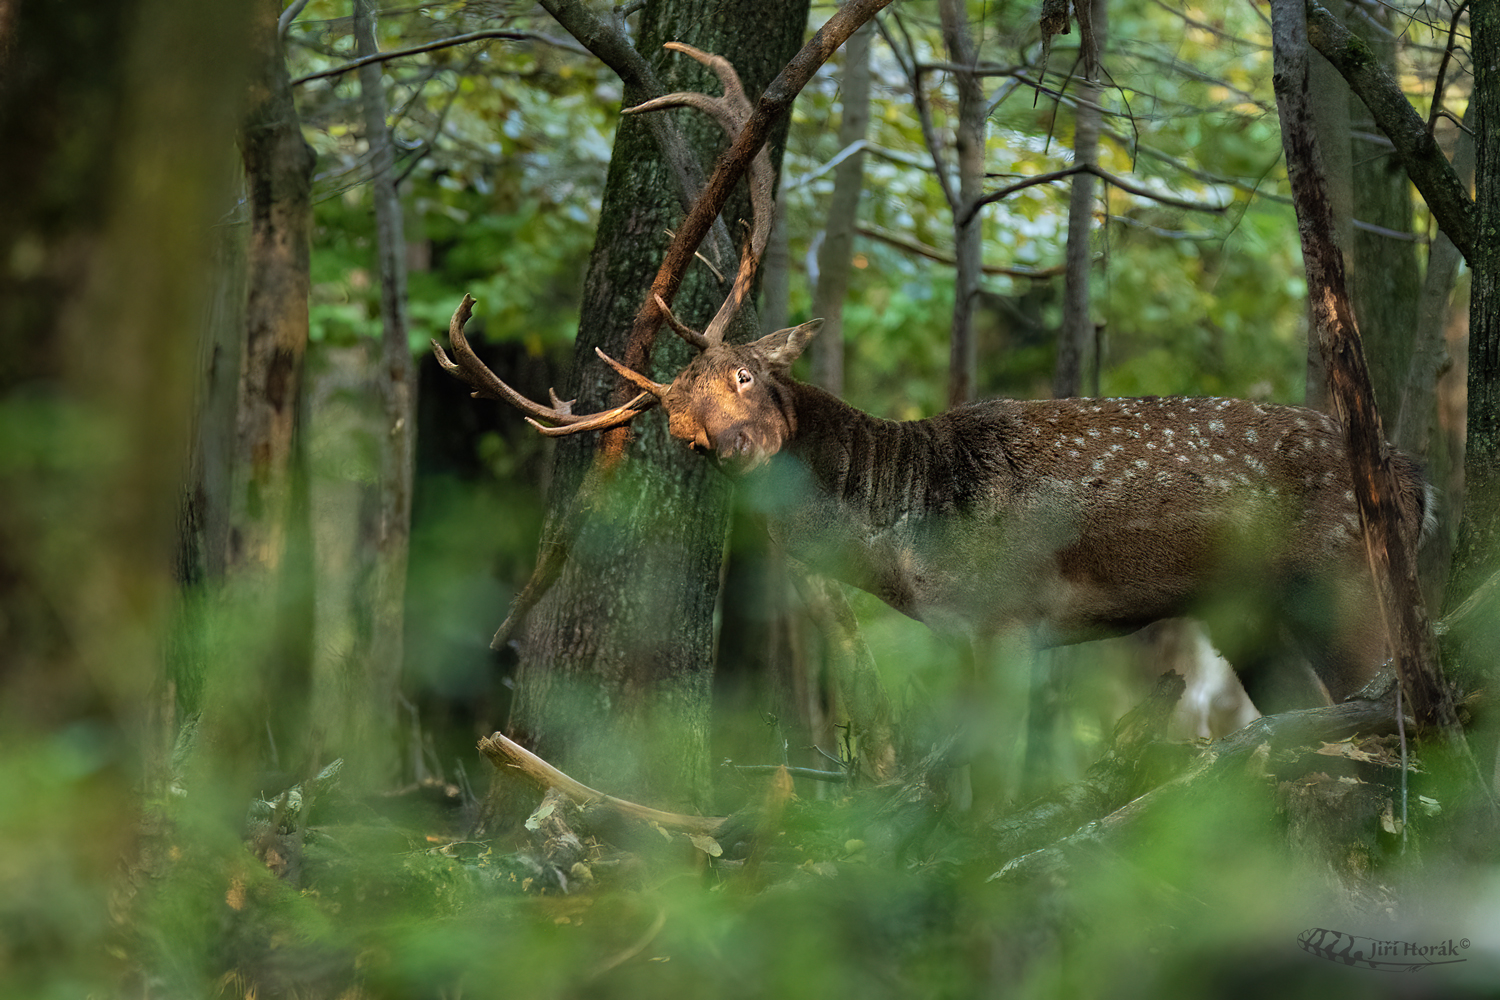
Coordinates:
1123 771
1267 739
504 752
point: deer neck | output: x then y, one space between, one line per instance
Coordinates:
878 471
850 493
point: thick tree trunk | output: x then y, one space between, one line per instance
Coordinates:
118 120
1475 560
617 659
1480 537
278 174
255 683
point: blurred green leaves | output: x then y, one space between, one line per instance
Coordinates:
504 146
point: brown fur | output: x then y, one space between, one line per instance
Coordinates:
1077 518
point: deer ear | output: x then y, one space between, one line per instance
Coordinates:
781 348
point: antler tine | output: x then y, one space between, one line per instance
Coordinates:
603 420
560 418
731 111
763 212
635 378
476 373
723 69
687 333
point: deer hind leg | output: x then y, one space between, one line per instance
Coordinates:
1266 649
1339 625
1279 678
1316 640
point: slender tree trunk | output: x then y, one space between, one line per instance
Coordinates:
1076 337
362 520
837 250
1421 430
617 659
1077 343
1387 277
1392 554
968 248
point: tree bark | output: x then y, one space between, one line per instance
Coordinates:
968 248
1428 168
118 118
1329 110
1420 429
259 685
617 658
278 174
1390 549
834 256
1479 535
1387 277
1075 338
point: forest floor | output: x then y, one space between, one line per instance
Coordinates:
1275 861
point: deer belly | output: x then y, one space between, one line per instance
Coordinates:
1044 574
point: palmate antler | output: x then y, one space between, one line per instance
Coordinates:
731 112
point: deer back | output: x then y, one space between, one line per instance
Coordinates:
1078 518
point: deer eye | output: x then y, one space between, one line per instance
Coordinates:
743 376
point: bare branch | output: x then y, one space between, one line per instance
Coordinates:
1429 169
288 16
1102 174
1442 72
921 249
773 106
442 43
913 71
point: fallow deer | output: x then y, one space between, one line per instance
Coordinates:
1075 518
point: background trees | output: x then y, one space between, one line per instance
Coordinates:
510 163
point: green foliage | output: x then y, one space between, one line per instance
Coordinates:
832 905
507 146
504 147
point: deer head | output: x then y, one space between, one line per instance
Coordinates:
730 401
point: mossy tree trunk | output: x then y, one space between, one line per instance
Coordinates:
617 660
